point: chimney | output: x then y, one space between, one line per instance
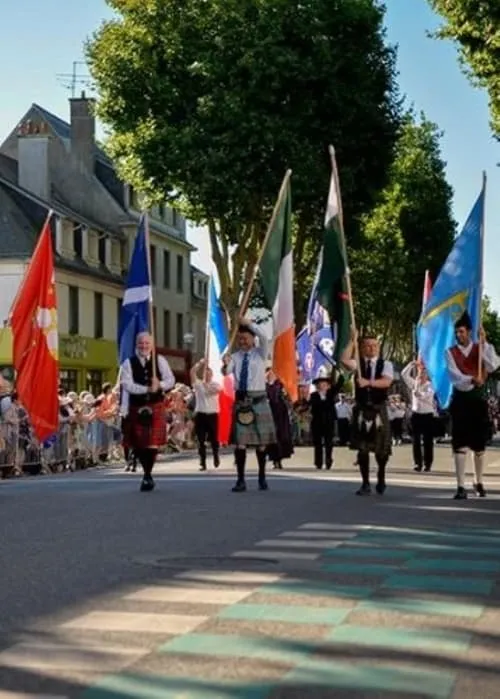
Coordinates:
33 151
83 131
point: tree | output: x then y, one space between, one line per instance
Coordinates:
475 26
210 102
411 229
491 323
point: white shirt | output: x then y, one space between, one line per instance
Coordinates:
422 393
343 410
167 380
256 364
387 370
206 397
463 382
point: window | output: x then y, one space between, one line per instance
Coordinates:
152 257
166 329
94 381
73 311
166 269
102 249
77 241
200 289
68 380
155 326
161 211
180 331
118 312
98 316
175 218
180 274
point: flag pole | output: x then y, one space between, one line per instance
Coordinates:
152 328
481 272
207 326
248 292
336 179
21 285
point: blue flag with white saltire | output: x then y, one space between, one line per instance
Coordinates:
134 314
457 288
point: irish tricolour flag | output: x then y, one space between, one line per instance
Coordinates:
276 274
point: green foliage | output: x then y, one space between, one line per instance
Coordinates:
214 100
475 26
491 323
410 230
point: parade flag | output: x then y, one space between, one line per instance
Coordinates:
33 321
217 344
457 288
315 352
276 274
134 313
331 289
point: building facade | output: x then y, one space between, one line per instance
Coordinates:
46 163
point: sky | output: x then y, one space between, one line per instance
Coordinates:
46 37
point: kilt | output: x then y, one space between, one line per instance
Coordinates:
261 433
139 436
470 428
371 430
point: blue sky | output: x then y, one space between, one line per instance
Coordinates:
46 37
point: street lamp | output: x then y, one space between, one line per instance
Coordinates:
188 344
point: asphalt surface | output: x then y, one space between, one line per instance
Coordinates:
301 591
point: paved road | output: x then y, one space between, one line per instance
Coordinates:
303 591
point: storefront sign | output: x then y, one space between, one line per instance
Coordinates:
73 347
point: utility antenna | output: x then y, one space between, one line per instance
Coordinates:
71 81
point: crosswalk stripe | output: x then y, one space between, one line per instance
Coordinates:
134 622
229 577
194 595
302 543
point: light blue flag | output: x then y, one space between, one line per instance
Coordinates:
458 288
134 314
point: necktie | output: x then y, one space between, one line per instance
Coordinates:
244 373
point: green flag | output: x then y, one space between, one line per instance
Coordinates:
331 289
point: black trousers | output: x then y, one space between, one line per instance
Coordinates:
322 437
397 428
344 427
206 429
423 430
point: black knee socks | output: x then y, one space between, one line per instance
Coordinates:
147 457
364 467
240 456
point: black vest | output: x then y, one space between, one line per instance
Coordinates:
143 375
371 396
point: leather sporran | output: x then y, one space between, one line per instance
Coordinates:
245 415
145 416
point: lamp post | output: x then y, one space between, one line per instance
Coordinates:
188 344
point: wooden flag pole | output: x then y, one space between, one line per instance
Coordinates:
336 179
152 329
207 328
481 264
248 292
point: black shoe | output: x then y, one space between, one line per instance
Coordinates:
380 488
319 468
418 469
427 469
329 466
203 467
147 484
240 487
263 484
480 491
216 462
364 490
461 494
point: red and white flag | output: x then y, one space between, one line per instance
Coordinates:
33 321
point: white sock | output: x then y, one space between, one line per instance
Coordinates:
479 466
460 466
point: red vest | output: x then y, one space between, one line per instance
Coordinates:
469 366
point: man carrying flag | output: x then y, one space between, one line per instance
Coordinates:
35 340
144 376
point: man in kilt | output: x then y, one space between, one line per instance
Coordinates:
145 427
469 404
252 420
371 430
